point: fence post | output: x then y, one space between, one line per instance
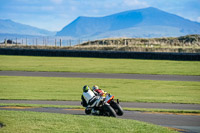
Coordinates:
55 43
33 42
70 42
45 42
60 42
36 42
67 43
6 42
79 41
26 41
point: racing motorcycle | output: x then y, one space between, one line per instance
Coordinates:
105 106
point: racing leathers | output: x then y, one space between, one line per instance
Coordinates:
99 92
88 98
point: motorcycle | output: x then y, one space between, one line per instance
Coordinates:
100 107
105 106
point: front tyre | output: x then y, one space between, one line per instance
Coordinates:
117 108
111 112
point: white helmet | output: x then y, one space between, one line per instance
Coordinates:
95 87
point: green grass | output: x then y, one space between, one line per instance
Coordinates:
31 122
54 88
80 107
98 65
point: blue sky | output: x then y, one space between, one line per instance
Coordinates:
55 14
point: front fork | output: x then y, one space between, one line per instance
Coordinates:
117 101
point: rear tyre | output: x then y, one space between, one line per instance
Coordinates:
118 109
87 111
110 110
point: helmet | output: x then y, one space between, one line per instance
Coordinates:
95 87
86 88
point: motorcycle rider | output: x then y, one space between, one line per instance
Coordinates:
98 91
89 99
102 93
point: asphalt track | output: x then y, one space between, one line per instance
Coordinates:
102 75
123 104
187 123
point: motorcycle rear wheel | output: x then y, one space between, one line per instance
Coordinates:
87 111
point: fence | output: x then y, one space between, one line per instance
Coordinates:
42 41
102 54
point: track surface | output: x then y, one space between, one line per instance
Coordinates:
123 104
101 75
189 123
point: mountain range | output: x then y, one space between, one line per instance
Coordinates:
10 27
147 22
143 23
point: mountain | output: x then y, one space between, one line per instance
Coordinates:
10 27
147 22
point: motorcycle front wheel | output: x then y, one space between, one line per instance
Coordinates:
110 111
117 108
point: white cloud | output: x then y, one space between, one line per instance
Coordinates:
198 19
57 1
73 8
47 8
135 3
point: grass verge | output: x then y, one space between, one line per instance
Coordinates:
98 65
23 122
54 88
